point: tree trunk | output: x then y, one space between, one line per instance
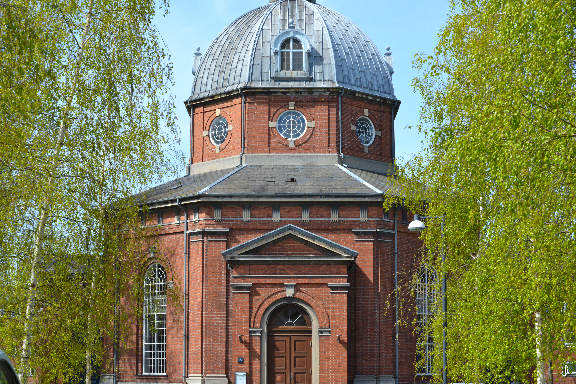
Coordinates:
540 369
91 337
45 210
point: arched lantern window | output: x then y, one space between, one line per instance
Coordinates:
292 49
291 55
154 322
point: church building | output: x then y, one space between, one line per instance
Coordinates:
276 241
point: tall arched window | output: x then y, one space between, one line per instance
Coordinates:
154 324
426 296
291 55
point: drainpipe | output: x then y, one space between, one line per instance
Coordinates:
393 135
185 333
340 124
396 305
191 136
243 125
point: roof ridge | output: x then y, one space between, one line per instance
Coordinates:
223 178
358 178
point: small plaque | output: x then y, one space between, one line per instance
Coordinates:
240 378
240 360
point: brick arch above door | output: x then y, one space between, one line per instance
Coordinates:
280 297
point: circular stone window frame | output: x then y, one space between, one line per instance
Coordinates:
212 128
293 139
373 130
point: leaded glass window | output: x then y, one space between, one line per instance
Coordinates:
291 125
289 316
365 131
291 55
218 130
426 296
154 324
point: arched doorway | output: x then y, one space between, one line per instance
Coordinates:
289 345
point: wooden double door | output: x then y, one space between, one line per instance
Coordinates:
290 357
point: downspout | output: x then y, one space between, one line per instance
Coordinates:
340 125
202 322
191 137
243 122
393 135
396 305
185 333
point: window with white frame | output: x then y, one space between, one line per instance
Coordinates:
292 50
569 369
425 305
291 55
154 323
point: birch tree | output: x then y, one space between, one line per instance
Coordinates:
87 114
500 115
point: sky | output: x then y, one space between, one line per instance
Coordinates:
408 27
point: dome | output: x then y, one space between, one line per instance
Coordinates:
335 53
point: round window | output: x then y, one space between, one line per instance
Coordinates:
291 125
365 131
218 130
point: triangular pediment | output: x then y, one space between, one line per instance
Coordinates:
290 244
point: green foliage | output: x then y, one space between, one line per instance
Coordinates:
500 114
86 121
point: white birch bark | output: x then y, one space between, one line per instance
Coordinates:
540 370
45 209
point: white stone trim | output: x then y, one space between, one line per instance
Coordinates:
358 178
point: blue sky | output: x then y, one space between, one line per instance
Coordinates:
408 27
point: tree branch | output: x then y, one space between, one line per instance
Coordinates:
547 109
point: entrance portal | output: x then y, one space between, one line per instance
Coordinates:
290 346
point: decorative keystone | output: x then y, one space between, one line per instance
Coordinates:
290 289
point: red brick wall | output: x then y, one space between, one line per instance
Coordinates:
323 137
381 116
204 114
363 317
263 109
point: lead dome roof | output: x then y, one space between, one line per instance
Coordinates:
341 55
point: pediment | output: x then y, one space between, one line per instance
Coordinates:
290 244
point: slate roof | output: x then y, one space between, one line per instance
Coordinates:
183 187
242 56
273 181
